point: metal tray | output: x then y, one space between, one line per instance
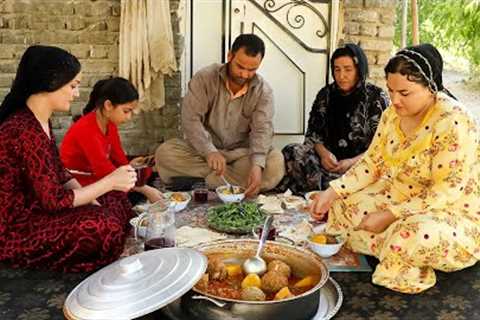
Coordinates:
331 299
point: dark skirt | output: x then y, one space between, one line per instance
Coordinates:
304 171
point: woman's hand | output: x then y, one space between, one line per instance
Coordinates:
152 194
122 179
322 203
328 159
343 165
377 221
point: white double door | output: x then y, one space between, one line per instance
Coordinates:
297 37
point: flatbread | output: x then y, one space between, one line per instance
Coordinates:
191 236
297 233
293 202
271 204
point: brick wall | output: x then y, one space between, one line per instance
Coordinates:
90 30
370 23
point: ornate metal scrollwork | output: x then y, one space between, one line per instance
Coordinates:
298 21
294 21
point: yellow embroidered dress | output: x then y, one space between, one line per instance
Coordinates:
429 179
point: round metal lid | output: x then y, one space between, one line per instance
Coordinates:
136 285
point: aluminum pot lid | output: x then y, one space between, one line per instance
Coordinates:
137 285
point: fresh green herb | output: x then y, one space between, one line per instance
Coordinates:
235 217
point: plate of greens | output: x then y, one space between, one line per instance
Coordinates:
238 218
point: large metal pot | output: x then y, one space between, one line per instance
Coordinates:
300 307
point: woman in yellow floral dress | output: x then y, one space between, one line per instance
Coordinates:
413 200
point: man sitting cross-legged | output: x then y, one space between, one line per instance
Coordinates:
227 123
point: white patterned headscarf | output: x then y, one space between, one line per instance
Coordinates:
426 58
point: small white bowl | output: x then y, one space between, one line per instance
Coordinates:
229 198
176 204
310 195
326 250
140 230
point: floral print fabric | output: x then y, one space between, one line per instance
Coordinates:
430 181
39 228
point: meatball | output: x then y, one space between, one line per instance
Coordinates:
280 267
216 269
253 294
202 284
273 281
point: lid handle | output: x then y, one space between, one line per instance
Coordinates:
130 265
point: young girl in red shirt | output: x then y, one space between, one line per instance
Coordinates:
91 148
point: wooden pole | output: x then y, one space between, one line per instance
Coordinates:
415 35
404 23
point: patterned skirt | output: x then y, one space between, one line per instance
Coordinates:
304 171
74 240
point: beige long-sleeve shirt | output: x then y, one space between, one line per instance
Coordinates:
213 121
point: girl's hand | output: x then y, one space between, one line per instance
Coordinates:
322 203
137 162
123 178
148 161
152 194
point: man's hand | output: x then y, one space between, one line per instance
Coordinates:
376 222
216 161
254 181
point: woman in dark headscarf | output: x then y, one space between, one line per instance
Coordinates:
47 220
342 122
413 199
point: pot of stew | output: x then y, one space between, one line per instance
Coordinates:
290 289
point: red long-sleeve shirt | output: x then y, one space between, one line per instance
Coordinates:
86 149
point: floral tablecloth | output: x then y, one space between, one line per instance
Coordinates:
195 215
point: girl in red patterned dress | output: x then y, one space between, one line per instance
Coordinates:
91 149
47 219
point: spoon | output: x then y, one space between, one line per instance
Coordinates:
256 264
230 187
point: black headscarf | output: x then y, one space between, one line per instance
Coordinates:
426 58
41 69
338 123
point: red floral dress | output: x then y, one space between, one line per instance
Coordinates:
39 228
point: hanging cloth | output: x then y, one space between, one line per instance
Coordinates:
146 49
